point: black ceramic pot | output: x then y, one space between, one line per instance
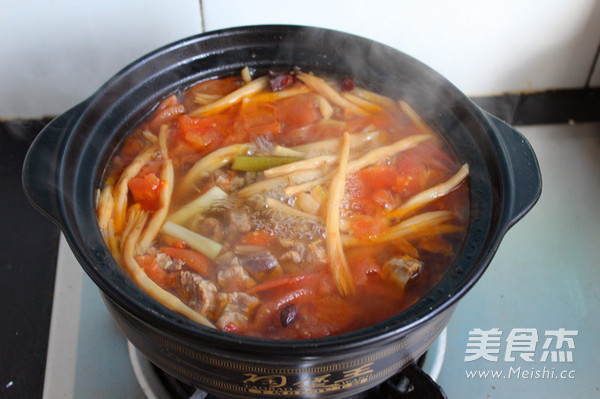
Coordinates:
65 164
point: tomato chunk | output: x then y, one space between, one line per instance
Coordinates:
378 176
156 273
259 119
165 117
146 190
411 176
259 238
363 267
217 86
202 133
132 146
297 111
192 259
366 227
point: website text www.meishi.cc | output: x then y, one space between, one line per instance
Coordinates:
522 373
517 355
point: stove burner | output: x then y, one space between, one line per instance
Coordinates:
415 381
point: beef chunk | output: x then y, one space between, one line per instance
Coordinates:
209 227
239 220
296 250
250 177
287 242
168 263
236 308
234 277
291 256
401 269
316 254
236 183
227 180
203 292
257 201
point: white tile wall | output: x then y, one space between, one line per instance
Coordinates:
483 47
55 53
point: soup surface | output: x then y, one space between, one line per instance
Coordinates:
284 206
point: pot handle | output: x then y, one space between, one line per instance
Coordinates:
523 169
41 167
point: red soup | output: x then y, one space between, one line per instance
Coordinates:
284 206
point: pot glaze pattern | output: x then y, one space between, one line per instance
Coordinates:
237 375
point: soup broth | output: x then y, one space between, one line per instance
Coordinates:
285 206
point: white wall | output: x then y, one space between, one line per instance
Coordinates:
482 46
56 53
